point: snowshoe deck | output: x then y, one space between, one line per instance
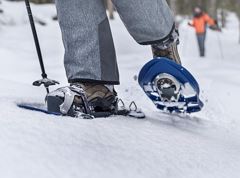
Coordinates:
170 86
121 112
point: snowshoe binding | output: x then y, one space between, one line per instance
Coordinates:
74 101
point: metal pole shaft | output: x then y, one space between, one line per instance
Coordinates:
44 75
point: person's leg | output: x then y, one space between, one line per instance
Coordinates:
150 23
147 21
90 60
199 45
89 50
203 43
200 39
202 46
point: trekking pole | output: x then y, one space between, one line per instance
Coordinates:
44 81
220 46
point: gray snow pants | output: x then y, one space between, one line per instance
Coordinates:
89 50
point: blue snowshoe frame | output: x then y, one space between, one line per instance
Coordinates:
162 65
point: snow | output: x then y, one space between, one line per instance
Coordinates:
32 144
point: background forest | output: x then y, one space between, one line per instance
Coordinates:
216 8
186 6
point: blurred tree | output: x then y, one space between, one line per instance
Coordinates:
1 11
173 5
212 9
237 10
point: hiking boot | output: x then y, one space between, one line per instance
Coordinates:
171 52
168 48
102 98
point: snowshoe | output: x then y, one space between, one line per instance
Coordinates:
170 86
72 101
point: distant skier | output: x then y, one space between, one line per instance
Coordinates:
200 21
90 59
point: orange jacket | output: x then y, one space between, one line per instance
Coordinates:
199 23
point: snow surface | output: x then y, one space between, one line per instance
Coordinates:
35 145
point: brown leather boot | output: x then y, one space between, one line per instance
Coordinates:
100 97
171 52
168 47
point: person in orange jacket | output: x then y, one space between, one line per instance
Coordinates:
200 22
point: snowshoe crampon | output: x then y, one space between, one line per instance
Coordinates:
69 101
170 86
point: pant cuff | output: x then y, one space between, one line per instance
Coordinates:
79 80
159 40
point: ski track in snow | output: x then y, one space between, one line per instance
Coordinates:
33 144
